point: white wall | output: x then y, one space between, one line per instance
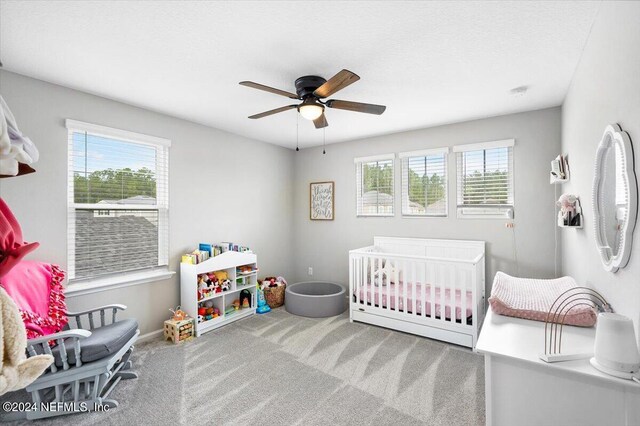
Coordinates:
605 89
325 245
223 187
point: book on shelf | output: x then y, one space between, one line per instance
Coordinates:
195 257
209 250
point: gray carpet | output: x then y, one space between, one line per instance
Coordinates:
283 369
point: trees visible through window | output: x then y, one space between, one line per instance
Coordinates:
375 187
485 181
424 183
118 202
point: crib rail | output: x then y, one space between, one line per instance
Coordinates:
447 293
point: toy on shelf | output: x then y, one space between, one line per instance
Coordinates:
246 270
207 312
226 285
208 285
221 275
236 304
245 299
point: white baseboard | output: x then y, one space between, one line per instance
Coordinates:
150 336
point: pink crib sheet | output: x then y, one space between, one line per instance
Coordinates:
381 292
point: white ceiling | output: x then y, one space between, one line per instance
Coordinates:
430 62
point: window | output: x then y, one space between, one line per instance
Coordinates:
374 181
485 179
118 201
424 182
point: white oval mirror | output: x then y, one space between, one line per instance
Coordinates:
615 198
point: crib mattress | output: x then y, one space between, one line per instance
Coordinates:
381 293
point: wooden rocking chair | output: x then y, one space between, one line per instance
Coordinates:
89 363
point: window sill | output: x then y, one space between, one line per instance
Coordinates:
111 283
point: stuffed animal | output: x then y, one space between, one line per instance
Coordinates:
221 275
567 204
202 287
16 371
226 285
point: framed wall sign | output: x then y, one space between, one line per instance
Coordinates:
321 199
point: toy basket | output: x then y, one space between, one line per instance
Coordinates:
275 296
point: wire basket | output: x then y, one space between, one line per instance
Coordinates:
275 296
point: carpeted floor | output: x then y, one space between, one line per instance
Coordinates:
283 369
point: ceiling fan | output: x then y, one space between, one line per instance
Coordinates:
311 89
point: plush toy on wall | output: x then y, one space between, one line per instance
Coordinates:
570 213
567 204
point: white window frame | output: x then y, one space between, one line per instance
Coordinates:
501 211
359 163
404 181
79 286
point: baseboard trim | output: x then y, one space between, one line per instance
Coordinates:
150 336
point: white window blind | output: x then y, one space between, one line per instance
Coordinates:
374 185
424 183
118 198
485 179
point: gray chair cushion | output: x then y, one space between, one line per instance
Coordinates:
103 342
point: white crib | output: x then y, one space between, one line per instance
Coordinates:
443 279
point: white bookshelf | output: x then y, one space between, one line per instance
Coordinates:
229 262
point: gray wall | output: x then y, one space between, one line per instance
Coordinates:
605 89
325 245
220 188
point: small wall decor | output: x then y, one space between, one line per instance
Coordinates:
570 213
321 198
559 170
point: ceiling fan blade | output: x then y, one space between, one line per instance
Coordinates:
273 111
335 83
356 106
269 89
320 122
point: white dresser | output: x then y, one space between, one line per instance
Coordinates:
523 390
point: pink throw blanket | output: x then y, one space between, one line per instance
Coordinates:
36 288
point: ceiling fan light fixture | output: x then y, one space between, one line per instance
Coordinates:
311 111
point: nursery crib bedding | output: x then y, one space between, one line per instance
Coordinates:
380 292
